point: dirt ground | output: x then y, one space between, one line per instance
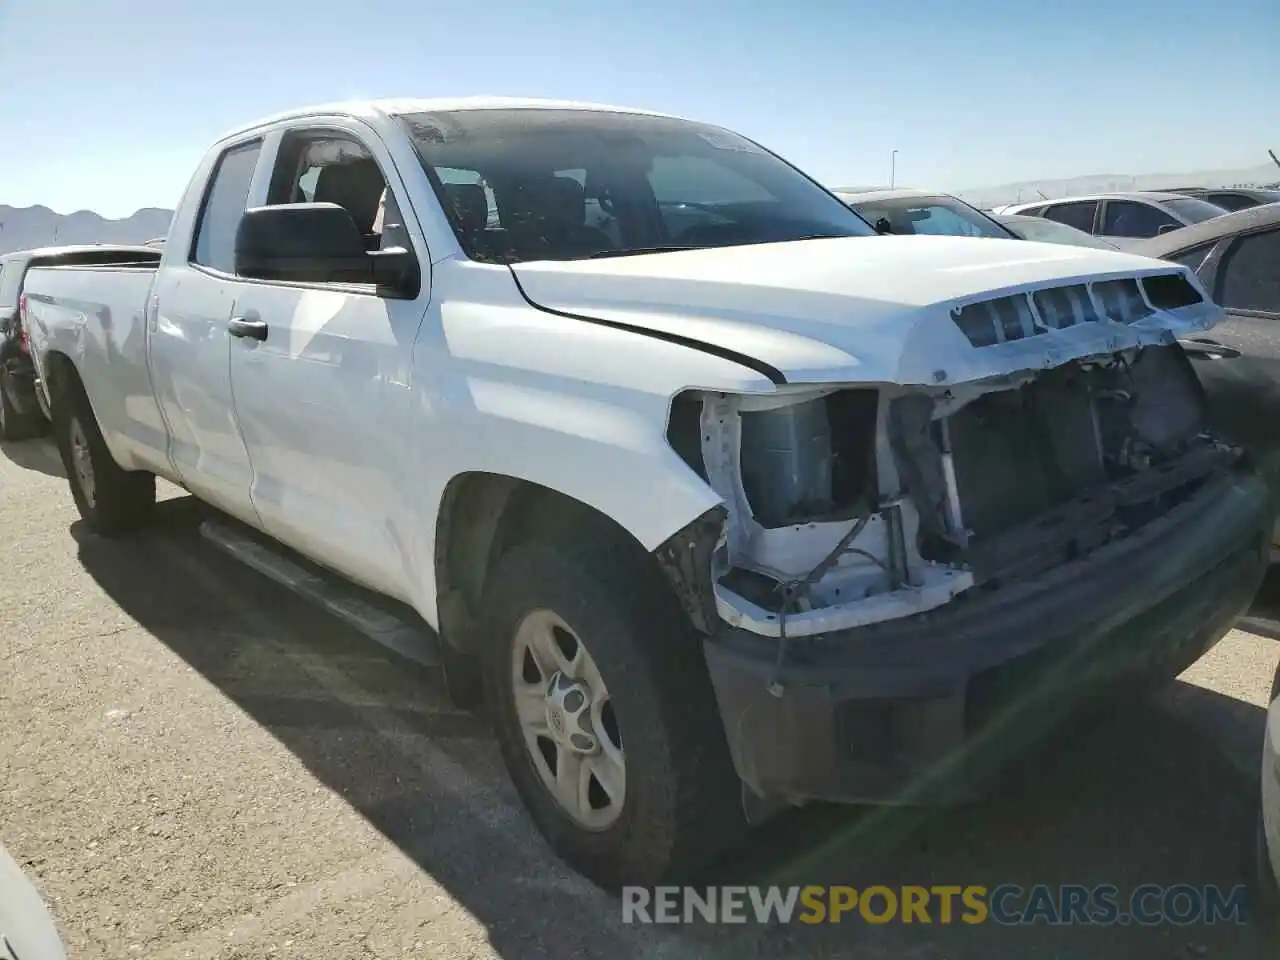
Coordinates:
193 764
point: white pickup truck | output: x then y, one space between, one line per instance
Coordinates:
723 501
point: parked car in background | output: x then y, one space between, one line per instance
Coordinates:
1049 231
1237 258
1122 218
904 212
928 212
27 929
21 411
1231 199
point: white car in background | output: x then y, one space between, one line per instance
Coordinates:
1122 218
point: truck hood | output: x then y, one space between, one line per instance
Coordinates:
872 309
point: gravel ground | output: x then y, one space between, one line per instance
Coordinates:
195 765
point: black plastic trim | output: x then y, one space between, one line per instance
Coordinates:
751 363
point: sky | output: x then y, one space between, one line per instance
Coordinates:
109 104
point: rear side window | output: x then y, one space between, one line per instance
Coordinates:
1249 278
1231 201
1079 214
224 204
1125 218
1193 258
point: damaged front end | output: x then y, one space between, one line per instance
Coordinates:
850 506
908 583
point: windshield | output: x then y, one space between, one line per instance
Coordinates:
1190 210
1048 231
930 215
538 184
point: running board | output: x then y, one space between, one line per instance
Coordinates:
353 605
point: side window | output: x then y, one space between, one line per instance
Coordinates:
1031 212
1249 278
1230 201
1193 258
224 203
1125 218
324 167
1079 214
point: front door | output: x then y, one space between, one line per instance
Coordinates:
323 401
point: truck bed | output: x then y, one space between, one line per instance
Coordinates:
96 316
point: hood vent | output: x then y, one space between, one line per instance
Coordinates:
1026 315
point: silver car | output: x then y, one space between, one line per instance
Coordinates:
1122 218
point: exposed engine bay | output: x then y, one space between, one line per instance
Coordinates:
850 506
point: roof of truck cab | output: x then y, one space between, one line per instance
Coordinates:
34 252
398 106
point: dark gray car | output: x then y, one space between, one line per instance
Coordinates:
1231 198
1237 258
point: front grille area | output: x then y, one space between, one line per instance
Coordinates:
1024 315
1121 300
1062 307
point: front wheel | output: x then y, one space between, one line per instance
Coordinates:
605 716
112 501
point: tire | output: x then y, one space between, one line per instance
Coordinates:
14 425
681 803
112 501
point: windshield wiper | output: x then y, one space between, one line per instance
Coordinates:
628 251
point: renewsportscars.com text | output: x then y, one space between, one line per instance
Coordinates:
1007 904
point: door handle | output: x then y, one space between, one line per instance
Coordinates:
242 327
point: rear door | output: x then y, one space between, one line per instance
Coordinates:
189 346
1075 213
324 400
1124 221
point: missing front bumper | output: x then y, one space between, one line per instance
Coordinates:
926 708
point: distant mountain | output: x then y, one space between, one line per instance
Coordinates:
1025 192
24 227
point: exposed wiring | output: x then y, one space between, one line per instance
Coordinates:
794 591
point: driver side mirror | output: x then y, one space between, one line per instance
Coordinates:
319 243
883 226
1167 228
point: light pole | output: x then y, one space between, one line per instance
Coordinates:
893 168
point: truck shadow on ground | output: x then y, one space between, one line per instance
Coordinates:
39 454
1127 795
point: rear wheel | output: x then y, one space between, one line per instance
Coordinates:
113 501
14 425
605 715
